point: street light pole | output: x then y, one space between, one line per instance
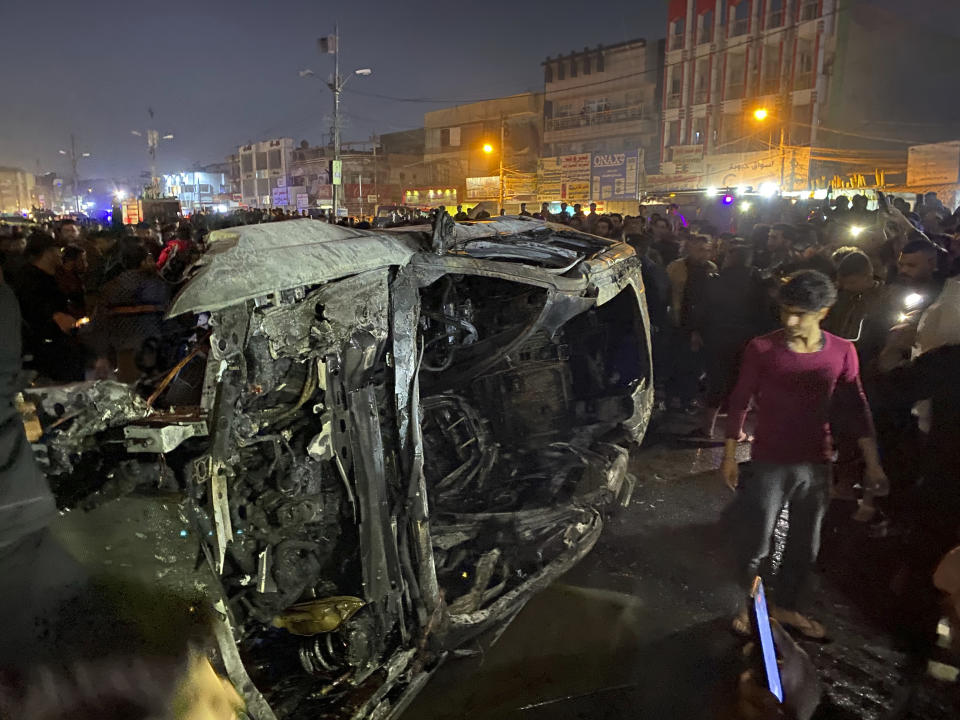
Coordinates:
337 87
500 206
74 159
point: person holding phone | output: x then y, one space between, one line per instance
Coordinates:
802 380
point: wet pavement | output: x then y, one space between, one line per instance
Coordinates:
638 630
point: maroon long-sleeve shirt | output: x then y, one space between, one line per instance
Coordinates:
798 397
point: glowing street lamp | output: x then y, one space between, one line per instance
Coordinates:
762 114
488 148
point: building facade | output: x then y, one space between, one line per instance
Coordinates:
463 143
16 190
604 100
791 93
197 190
264 166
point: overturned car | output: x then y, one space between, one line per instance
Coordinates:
399 437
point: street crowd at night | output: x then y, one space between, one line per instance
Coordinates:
880 282
524 363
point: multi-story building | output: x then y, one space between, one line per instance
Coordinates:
196 190
16 190
264 166
604 100
752 86
230 169
363 174
463 142
48 193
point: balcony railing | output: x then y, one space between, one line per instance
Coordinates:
700 97
674 101
776 19
599 117
676 42
734 91
706 36
803 81
739 27
810 10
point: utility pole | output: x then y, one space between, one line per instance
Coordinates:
337 86
73 168
74 159
502 149
783 156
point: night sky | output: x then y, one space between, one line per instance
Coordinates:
218 73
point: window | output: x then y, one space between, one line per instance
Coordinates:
672 133
261 159
804 77
274 159
455 137
698 133
249 188
706 27
445 137
560 71
548 72
702 91
730 128
770 84
736 65
565 110
586 64
740 19
800 126
263 187
573 67
246 163
810 10
674 89
600 65
776 13
676 36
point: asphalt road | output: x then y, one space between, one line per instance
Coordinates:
640 629
637 630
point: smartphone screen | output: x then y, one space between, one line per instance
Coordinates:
762 623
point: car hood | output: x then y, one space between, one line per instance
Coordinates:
251 261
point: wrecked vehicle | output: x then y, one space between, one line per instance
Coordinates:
400 437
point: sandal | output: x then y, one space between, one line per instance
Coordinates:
792 620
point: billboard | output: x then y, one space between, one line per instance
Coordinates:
934 164
566 177
615 176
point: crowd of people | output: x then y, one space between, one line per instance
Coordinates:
837 325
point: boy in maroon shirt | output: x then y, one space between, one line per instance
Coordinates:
802 380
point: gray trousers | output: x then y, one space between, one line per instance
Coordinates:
764 491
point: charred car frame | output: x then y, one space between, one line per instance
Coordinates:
399 437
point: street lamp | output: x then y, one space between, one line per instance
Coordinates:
488 148
761 115
336 85
153 142
75 157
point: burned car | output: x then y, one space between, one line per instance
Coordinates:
399 437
